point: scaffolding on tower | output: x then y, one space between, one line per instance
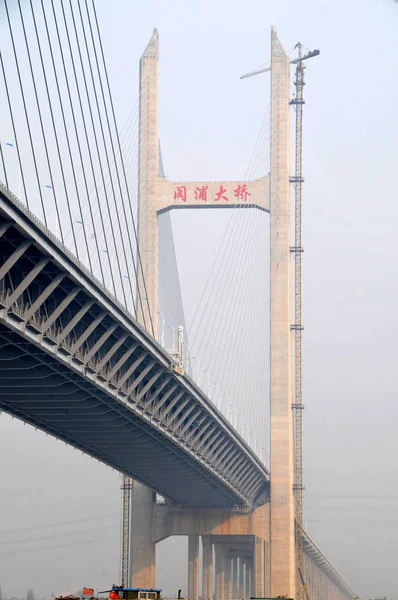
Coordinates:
297 251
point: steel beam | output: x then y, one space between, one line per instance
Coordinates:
234 466
87 332
222 454
201 431
60 308
185 415
203 441
214 444
26 281
131 369
73 322
154 394
140 377
189 423
112 351
121 360
160 415
172 404
44 295
15 256
4 226
165 398
215 452
100 342
148 385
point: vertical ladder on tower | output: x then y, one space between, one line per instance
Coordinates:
297 251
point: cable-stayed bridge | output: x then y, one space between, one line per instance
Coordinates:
94 344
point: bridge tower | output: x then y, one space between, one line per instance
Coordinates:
270 560
282 534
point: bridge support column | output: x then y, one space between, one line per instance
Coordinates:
228 587
142 548
220 560
241 572
249 574
193 567
235 582
258 573
207 568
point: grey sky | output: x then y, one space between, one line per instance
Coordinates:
209 123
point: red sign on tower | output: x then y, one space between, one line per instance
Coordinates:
180 193
241 192
220 195
201 193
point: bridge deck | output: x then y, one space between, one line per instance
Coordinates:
74 363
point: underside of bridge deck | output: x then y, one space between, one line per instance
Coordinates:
74 363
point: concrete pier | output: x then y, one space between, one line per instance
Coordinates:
142 548
193 567
207 568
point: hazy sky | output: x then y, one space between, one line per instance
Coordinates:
209 123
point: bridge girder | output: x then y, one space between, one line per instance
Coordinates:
86 372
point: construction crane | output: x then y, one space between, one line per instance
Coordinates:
292 62
126 488
297 327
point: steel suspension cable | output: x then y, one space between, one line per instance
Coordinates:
41 119
61 105
236 258
14 128
77 133
105 148
236 250
115 163
96 148
26 112
53 122
124 171
95 215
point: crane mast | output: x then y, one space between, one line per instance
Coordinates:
297 251
126 512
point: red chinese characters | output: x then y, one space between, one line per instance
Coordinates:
241 192
180 193
220 195
201 193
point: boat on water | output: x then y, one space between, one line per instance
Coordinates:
117 592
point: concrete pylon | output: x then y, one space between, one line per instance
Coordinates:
148 176
142 546
155 194
283 573
193 567
142 549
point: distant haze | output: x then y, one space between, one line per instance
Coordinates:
209 124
